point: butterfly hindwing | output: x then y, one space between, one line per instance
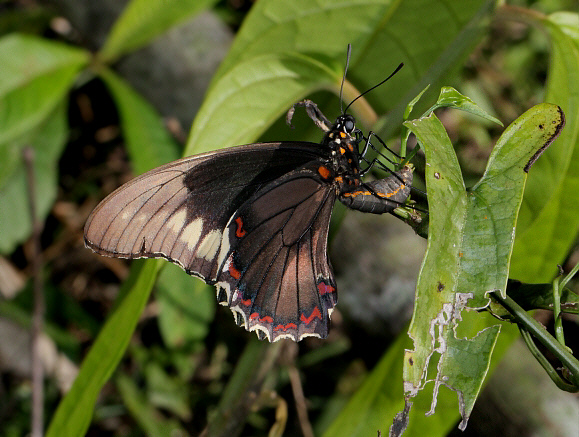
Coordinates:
275 270
179 211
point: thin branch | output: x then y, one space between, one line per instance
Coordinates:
540 333
37 419
300 399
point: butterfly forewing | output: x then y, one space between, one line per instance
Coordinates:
179 211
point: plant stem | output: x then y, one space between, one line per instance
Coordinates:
540 333
37 419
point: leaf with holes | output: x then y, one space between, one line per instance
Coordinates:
470 242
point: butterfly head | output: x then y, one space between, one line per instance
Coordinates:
346 123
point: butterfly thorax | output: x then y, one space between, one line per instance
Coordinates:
342 140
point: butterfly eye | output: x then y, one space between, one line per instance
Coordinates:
349 124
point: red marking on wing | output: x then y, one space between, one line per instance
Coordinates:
315 313
247 302
234 272
285 327
267 319
240 232
325 288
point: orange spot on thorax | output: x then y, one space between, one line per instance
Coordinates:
323 171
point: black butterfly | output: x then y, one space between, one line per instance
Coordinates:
253 220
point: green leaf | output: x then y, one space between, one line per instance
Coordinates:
167 392
149 419
186 307
75 411
24 109
36 75
144 20
548 222
451 98
495 200
279 29
47 141
405 131
25 58
148 142
254 94
470 241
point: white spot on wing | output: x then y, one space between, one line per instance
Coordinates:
224 248
176 222
210 245
192 232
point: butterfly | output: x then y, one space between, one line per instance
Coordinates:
252 220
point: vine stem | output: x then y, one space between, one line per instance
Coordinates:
538 331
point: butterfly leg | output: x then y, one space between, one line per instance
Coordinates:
313 112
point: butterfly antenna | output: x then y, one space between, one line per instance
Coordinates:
348 53
375 86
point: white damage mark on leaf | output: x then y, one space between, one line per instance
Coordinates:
447 317
452 319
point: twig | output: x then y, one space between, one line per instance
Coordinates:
37 419
300 399
540 333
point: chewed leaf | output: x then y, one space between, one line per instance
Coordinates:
470 241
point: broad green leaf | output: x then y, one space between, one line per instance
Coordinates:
186 306
148 142
254 94
23 109
149 419
36 75
75 411
47 141
495 200
470 241
25 58
277 29
548 222
144 20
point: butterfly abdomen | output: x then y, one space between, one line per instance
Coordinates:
379 196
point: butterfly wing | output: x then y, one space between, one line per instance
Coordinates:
179 211
275 274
